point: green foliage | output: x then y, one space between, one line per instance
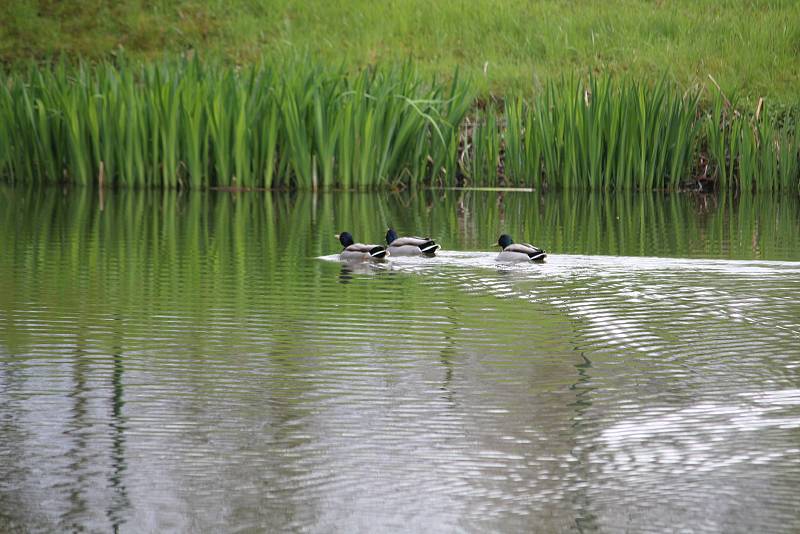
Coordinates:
483 156
299 124
751 153
507 46
622 134
185 123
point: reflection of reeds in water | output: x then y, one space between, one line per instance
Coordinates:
299 124
211 249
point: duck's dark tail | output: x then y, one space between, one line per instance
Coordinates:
377 252
429 248
537 256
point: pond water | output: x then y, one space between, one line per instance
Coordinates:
200 362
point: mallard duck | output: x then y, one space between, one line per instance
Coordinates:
410 246
518 251
359 251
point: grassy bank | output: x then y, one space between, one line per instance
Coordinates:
301 124
507 46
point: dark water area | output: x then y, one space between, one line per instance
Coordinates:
201 362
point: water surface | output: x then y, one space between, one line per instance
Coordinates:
200 362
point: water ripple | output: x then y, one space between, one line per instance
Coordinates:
202 370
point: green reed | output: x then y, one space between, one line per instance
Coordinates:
750 152
484 154
178 124
303 125
601 134
622 134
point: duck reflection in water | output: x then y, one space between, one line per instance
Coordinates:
351 268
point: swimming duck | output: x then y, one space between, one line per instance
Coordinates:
410 246
518 251
359 251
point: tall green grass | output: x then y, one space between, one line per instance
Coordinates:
303 125
622 134
178 124
750 151
602 134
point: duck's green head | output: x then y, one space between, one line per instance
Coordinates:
345 239
391 235
505 240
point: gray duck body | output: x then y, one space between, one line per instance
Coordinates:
516 252
359 251
410 246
